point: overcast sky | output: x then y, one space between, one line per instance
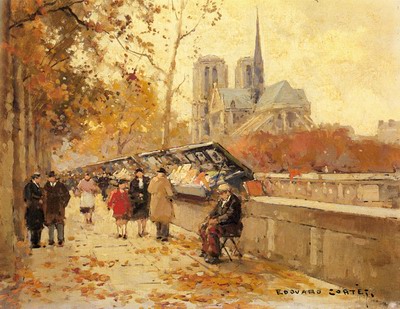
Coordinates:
345 54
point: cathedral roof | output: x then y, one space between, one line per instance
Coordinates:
240 97
210 58
281 94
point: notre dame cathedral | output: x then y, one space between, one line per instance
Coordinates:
251 106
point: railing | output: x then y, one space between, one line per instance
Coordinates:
374 189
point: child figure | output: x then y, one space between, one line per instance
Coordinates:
120 203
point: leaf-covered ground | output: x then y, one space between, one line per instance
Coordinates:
94 269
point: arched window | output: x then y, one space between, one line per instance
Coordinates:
206 81
233 104
214 75
249 77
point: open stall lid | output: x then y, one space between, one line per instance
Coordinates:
185 163
122 167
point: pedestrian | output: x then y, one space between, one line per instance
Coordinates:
140 200
103 183
34 215
70 182
87 188
161 208
120 204
56 198
224 218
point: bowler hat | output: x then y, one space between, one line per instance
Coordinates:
162 170
138 170
51 174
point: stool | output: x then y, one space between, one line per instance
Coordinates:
230 236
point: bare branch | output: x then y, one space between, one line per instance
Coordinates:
177 88
187 33
59 61
149 58
67 10
174 9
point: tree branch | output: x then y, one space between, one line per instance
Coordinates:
33 15
174 9
177 88
67 10
39 12
187 33
149 58
57 45
59 61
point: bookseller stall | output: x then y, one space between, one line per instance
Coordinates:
196 170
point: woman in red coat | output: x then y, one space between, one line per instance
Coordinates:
120 203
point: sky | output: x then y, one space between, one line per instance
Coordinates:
345 54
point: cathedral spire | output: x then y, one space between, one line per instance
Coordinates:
258 78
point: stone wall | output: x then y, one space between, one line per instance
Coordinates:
342 248
379 189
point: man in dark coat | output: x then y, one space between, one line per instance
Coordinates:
224 218
103 183
34 215
56 198
140 200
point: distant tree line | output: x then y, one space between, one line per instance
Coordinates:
320 150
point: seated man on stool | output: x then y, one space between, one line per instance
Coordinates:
224 218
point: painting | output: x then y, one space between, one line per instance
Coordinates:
199 154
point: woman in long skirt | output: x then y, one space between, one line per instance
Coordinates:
120 204
87 187
140 200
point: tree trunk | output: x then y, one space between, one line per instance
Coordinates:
120 144
7 260
169 82
29 135
36 137
44 154
18 137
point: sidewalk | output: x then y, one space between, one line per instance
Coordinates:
94 269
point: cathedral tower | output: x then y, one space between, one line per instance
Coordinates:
208 71
244 73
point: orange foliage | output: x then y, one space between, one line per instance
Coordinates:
315 151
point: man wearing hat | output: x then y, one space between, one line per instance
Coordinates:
140 200
225 217
161 208
56 198
103 183
34 215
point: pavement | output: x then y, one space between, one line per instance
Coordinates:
378 212
95 269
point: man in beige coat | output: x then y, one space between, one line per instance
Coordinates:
161 209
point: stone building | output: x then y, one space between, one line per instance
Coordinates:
281 108
219 110
389 131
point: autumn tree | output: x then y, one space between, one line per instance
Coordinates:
7 264
153 34
316 150
124 116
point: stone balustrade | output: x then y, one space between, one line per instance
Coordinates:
369 189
